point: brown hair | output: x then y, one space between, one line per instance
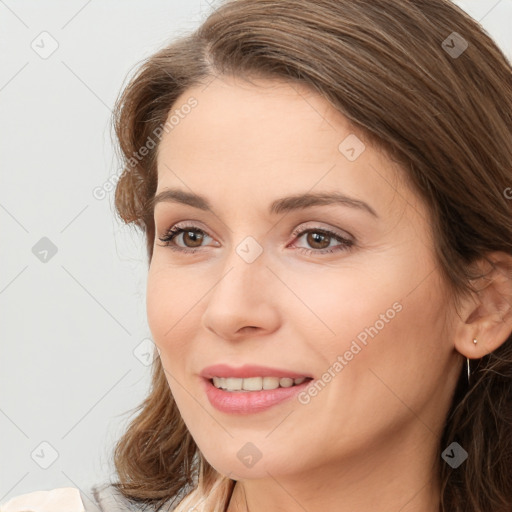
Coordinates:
386 65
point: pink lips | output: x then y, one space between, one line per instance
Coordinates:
248 402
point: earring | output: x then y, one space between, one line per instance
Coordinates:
475 341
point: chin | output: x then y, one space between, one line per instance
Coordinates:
240 466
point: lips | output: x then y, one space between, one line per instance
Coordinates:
247 371
249 402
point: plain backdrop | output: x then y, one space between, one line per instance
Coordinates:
75 344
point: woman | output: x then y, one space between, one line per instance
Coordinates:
325 190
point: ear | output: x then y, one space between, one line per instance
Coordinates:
487 316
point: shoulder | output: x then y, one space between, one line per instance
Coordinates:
107 498
57 500
98 498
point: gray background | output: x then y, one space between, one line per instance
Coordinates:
74 337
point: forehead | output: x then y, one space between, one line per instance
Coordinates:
233 113
271 138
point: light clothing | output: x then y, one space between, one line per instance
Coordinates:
98 498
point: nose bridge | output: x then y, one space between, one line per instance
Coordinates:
244 274
243 295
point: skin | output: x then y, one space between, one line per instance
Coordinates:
369 439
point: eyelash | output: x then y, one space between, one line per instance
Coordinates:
346 244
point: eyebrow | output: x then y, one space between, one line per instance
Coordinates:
285 204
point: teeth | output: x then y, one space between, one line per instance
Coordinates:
250 384
234 384
255 383
286 383
270 382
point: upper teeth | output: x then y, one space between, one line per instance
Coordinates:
254 383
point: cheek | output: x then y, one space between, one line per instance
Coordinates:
169 314
394 346
387 318
389 343
338 306
169 309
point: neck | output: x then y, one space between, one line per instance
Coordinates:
398 476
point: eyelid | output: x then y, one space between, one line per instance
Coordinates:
317 226
194 223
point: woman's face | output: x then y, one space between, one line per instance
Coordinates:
346 293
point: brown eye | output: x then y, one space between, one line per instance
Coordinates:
194 237
191 238
318 239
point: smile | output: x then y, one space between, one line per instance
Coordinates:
255 383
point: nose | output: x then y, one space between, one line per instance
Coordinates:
244 302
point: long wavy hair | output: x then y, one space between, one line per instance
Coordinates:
401 77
